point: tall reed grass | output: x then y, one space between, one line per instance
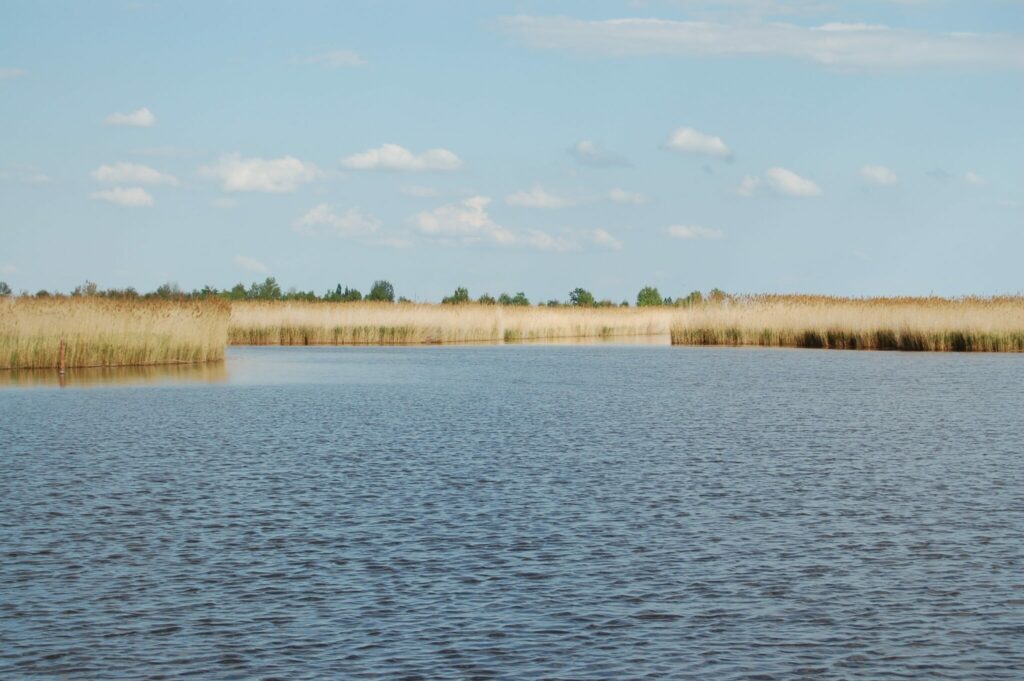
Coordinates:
298 323
911 324
105 333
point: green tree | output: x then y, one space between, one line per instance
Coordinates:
168 291
382 291
486 299
717 295
5 290
648 296
460 296
237 292
580 297
267 290
520 299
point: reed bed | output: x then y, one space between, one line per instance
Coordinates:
298 323
99 332
909 324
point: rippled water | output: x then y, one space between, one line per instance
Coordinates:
520 512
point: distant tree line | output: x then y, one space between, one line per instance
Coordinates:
380 291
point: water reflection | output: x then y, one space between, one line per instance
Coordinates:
209 372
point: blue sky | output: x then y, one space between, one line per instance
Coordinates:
857 148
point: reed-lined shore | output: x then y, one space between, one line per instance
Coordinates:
909 324
298 323
99 332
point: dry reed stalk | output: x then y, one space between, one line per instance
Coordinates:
298 323
102 332
913 324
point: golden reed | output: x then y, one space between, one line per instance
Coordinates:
911 324
99 332
301 323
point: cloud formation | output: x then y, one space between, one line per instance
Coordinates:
396 157
974 178
588 154
132 173
691 141
622 196
124 196
336 59
849 46
468 222
275 175
10 72
695 232
781 181
141 118
537 197
878 175
322 219
251 264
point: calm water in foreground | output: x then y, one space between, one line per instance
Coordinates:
590 512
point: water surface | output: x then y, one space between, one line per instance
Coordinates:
519 512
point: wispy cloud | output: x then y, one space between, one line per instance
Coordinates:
695 232
322 219
124 196
622 196
7 268
10 72
132 173
250 264
336 59
275 175
691 141
468 222
420 191
878 175
975 179
588 154
781 181
850 46
141 118
537 197
396 157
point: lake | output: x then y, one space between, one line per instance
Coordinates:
584 512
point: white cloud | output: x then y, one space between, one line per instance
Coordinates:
7 268
468 218
748 186
690 141
124 196
537 198
275 175
10 72
322 219
622 196
142 118
419 191
336 59
25 174
787 182
468 222
850 46
132 173
396 157
602 237
587 153
878 175
695 232
975 179
251 264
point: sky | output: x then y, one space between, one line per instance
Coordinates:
848 148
